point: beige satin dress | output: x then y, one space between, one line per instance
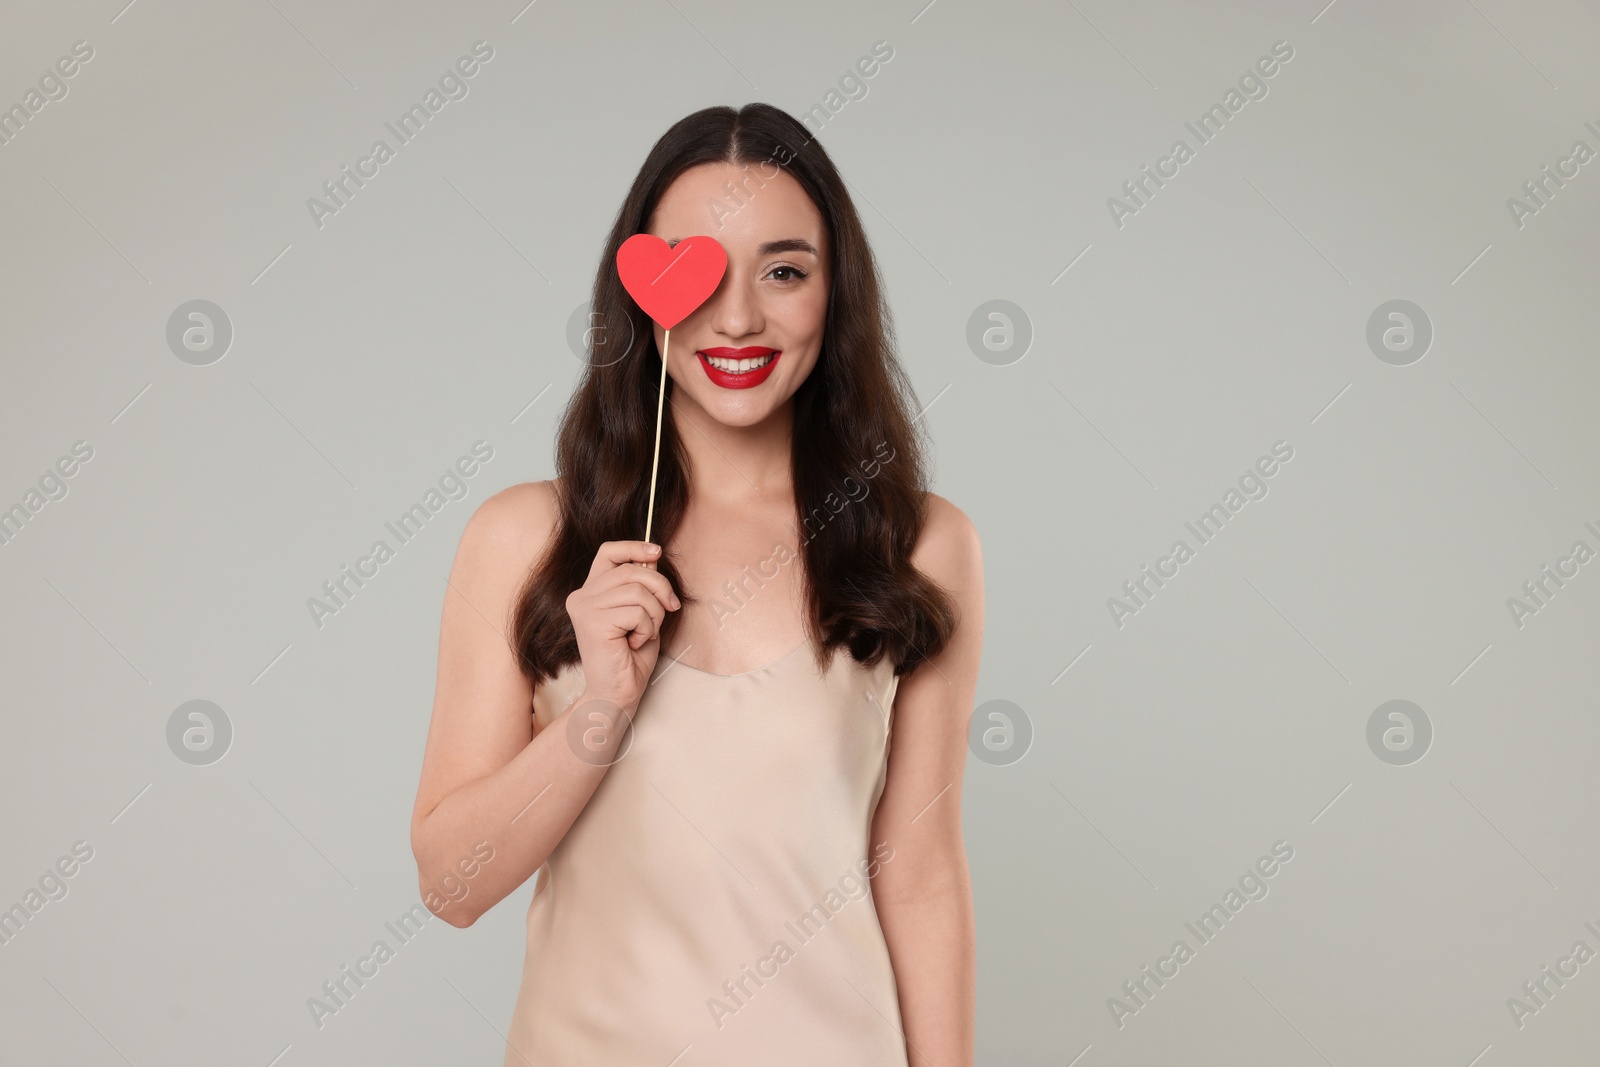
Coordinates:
710 905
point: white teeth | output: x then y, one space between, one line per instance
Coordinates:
738 366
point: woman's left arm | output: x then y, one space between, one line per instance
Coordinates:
923 894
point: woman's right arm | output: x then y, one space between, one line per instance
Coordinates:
483 766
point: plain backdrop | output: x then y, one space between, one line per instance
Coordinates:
1145 359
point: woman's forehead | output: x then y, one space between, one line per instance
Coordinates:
743 207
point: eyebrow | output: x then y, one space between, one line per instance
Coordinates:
787 244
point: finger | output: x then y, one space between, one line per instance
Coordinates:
631 608
653 614
652 580
638 622
655 587
613 553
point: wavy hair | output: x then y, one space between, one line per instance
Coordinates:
858 458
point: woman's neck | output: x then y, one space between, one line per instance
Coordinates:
734 463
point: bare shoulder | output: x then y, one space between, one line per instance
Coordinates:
948 549
506 536
518 517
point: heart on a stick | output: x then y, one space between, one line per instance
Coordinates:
669 282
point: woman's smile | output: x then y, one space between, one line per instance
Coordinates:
738 368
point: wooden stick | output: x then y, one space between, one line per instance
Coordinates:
655 462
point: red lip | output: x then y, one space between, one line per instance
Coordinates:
747 380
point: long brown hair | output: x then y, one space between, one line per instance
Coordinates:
854 430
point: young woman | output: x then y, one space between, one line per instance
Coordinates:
735 760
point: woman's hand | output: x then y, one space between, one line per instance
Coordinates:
617 616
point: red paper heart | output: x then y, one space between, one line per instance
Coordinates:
669 282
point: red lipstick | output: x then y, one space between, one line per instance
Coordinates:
738 379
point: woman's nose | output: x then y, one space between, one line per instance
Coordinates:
734 310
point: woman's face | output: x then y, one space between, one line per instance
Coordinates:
773 297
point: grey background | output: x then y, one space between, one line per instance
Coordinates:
1229 313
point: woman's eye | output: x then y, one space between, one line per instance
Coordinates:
795 273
